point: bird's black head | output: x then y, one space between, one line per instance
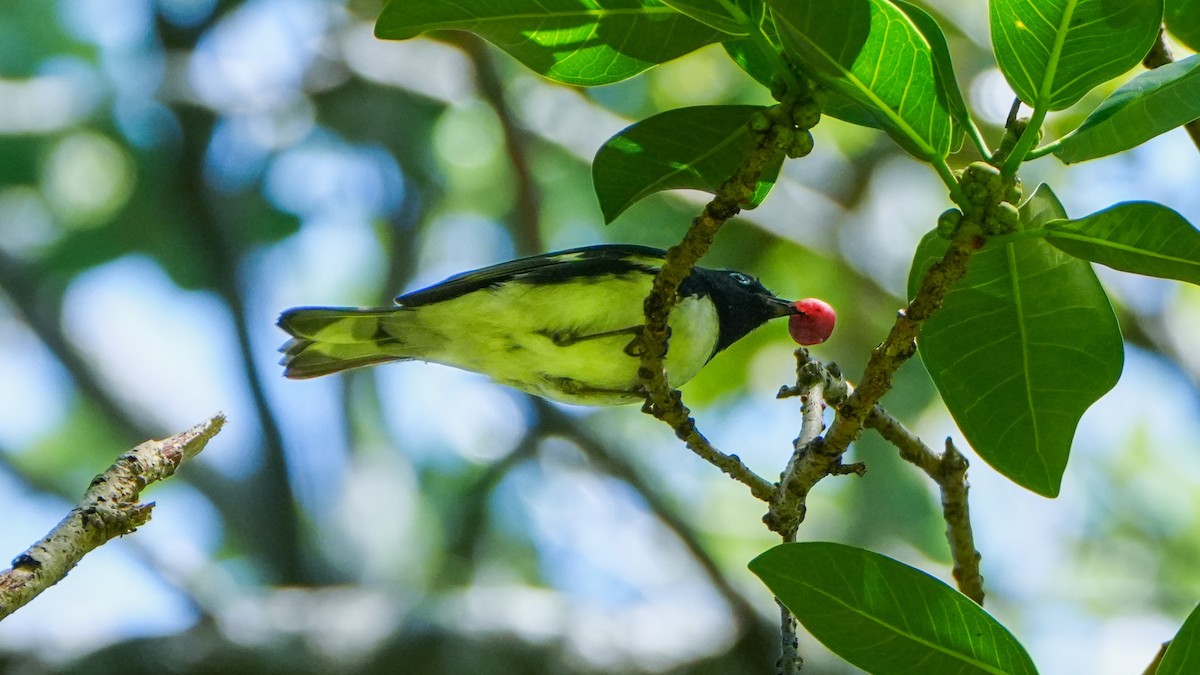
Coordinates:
743 303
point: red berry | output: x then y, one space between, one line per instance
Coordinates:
813 322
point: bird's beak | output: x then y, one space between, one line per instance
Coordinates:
782 307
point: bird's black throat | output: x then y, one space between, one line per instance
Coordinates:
742 303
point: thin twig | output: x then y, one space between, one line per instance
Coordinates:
790 662
23 283
956 511
109 509
810 386
949 471
1160 55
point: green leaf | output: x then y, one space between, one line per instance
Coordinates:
1183 20
757 55
751 56
1042 207
884 616
583 42
1183 656
1052 52
1150 104
943 66
696 148
873 53
724 16
1022 346
1139 237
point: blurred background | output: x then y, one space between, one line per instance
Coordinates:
173 173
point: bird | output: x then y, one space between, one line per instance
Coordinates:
564 326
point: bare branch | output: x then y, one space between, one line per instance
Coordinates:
109 509
952 479
949 471
810 386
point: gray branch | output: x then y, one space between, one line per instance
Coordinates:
109 509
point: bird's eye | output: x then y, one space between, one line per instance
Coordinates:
741 278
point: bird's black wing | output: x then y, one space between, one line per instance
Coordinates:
548 268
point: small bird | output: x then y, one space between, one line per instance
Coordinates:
565 326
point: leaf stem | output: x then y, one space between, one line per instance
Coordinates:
1001 239
977 138
763 42
947 175
1044 150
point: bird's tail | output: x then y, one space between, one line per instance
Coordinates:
329 339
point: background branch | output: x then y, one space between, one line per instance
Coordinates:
526 226
1160 55
109 509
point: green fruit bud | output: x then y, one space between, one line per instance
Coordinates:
784 137
992 225
802 144
1007 215
948 222
806 115
982 172
759 122
1014 193
779 86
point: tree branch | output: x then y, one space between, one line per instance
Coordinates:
810 386
662 401
949 471
824 454
109 509
806 466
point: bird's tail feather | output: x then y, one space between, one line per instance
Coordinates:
330 339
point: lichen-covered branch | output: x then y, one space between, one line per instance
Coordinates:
661 400
807 465
824 454
955 510
810 386
109 509
949 471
